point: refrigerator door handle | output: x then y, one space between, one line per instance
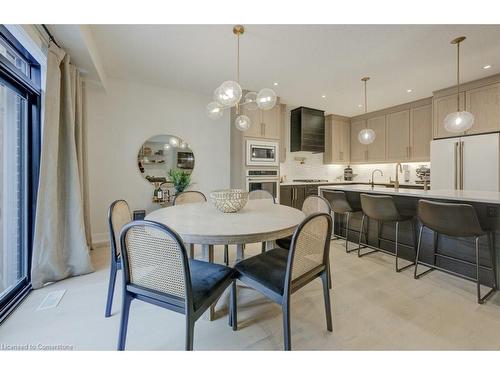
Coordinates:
455 160
462 145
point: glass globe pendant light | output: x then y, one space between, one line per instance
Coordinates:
366 136
229 94
459 121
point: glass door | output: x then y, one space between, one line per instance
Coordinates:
13 258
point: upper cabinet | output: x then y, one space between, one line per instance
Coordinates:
307 130
265 124
442 107
481 98
398 136
484 104
358 150
420 133
282 129
376 150
402 134
337 139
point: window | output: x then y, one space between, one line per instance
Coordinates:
19 160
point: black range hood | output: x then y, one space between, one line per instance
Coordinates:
307 130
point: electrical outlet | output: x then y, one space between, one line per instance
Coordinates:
491 211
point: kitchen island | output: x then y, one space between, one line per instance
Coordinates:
486 204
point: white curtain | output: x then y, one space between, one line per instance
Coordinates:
61 243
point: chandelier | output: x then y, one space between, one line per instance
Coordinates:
229 94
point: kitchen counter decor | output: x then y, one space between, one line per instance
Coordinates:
229 201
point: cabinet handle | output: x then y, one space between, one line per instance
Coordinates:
341 156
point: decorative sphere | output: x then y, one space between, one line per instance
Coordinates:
266 99
458 122
366 136
214 110
242 123
251 100
228 94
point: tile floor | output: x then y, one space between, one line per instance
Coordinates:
373 308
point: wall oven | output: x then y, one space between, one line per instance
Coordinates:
268 180
262 153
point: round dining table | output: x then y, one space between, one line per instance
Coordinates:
203 224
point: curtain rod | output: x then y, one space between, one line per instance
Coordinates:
51 37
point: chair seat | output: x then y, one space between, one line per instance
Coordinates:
206 278
268 269
284 243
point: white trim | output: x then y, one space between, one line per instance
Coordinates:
25 39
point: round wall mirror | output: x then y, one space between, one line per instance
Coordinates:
161 154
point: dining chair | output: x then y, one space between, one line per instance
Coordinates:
185 197
156 270
261 194
118 215
278 273
312 204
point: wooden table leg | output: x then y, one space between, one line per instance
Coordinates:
270 245
207 252
240 252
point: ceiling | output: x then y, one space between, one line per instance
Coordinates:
307 61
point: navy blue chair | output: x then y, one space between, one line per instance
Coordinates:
156 270
279 273
118 215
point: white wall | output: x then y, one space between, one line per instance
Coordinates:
121 118
314 167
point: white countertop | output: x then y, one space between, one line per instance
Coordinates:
456 195
292 183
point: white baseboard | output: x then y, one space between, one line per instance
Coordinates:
100 240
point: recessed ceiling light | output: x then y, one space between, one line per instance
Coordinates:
275 83
409 90
323 96
486 67
360 105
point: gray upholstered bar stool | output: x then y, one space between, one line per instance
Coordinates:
383 209
341 208
455 220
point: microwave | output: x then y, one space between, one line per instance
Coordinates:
262 153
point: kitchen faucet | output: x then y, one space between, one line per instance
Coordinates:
396 182
373 172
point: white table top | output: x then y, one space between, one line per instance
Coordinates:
492 197
201 223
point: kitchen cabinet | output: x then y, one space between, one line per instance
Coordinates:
265 124
442 106
420 133
294 195
484 104
307 130
398 136
282 129
357 149
376 150
337 139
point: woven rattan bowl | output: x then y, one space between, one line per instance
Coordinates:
231 200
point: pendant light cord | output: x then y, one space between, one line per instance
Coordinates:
458 77
366 109
238 71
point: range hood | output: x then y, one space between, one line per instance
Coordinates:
307 130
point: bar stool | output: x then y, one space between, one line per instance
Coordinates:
341 208
455 220
383 209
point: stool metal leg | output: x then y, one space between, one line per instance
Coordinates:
361 230
483 299
416 275
493 257
398 269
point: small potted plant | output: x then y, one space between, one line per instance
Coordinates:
180 179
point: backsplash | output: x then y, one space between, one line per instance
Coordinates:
314 168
